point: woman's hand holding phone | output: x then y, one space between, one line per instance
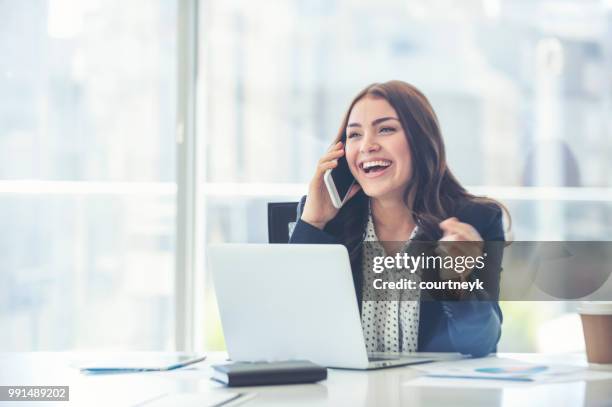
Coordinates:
319 209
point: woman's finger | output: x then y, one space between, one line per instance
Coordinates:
461 248
334 146
467 232
326 166
461 231
450 249
458 235
332 155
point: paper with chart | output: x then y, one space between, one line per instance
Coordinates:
500 369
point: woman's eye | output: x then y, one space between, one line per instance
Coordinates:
351 135
387 130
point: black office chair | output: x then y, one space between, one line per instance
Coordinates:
281 221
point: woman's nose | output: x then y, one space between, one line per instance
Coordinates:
369 145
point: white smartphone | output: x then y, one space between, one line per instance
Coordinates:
339 181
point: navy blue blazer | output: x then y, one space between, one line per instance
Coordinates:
469 327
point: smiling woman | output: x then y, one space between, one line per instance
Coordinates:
405 191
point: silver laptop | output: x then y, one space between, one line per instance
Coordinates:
283 302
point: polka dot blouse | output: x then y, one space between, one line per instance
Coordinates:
392 324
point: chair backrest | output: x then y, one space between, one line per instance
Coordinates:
281 220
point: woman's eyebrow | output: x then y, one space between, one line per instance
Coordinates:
375 122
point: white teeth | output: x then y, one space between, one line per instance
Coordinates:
369 164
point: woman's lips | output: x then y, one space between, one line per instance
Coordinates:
375 174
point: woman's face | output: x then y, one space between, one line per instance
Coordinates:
377 150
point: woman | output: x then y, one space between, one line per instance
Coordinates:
392 142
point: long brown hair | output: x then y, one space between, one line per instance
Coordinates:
437 193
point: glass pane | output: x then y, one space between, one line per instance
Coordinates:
99 267
87 174
88 90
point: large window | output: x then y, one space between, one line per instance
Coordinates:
87 174
88 113
521 88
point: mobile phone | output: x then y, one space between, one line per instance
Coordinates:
339 181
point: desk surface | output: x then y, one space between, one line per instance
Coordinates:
389 387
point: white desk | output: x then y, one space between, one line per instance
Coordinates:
390 387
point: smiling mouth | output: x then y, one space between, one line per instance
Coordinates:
375 167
